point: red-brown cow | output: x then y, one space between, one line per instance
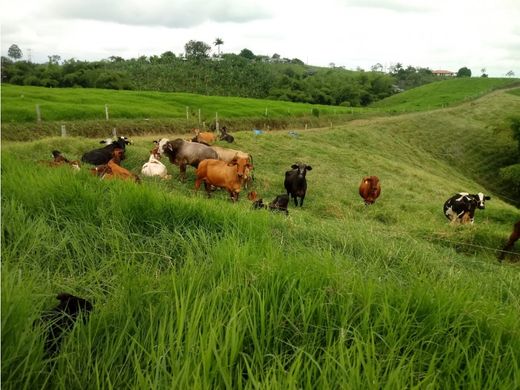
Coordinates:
112 170
370 189
511 242
205 138
217 173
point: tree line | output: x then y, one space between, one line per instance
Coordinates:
243 75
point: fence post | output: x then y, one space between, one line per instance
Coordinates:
106 111
187 113
216 122
38 113
63 131
199 116
114 132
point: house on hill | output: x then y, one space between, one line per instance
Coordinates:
443 73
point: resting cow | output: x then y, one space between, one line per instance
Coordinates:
461 207
184 153
103 155
370 189
295 182
154 167
113 169
224 136
280 203
59 159
217 173
205 138
511 242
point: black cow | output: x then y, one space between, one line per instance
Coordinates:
103 155
295 182
224 136
61 319
461 207
280 203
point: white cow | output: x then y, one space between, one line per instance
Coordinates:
154 167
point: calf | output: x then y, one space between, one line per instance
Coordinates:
61 319
59 159
280 203
205 138
224 136
103 155
511 242
257 203
295 182
154 167
461 207
370 189
217 173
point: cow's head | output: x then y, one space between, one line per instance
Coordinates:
118 155
301 168
125 140
243 166
160 143
56 153
480 198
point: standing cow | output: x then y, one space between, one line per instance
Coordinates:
295 182
370 189
461 207
183 153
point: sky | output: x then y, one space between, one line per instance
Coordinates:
434 34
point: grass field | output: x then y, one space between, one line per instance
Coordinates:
191 292
444 93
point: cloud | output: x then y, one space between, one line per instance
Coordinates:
389 5
172 14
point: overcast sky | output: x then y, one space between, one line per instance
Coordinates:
438 34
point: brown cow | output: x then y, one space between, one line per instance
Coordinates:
511 242
112 170
59 159
205 138
217 173
370 189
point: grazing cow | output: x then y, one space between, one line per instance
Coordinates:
370 189
280 203
217 173
205 138
103 155
113 169
295 182
61 319
59 159
154 167
461 207
224 136
184 153
511 242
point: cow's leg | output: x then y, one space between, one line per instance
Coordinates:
295 200
198 182
182 169
208 188
301 200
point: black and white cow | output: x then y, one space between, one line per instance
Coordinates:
104 155
461 207
295 182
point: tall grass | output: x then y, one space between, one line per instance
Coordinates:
191 292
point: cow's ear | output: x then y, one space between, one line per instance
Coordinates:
103 142
487 197
250 166
294 166
156 142
309 168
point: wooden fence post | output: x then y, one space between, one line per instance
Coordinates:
63 131
38 113
106 111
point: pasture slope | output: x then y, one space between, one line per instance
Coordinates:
191 292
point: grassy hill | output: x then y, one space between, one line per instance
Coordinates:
192 292
443 93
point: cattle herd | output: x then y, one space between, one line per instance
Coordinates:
231 170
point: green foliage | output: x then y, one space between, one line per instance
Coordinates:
196 50
14 52
464 72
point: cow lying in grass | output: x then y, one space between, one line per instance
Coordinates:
154 167
103 155
113 169
59 160
229 176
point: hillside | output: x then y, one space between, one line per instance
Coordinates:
443 93
196 292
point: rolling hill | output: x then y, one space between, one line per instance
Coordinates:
196 292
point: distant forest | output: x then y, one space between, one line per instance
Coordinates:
241 75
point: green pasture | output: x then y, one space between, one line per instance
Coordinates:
443 93
191 292
67 104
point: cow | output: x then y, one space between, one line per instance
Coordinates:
295 182
60 320
280 203
154 167
217 173
59 159
205 138
184 153
511 242
224 136
258 203
112 170
461 206
103 155
370 189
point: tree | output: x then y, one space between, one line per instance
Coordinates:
464 72
14 52
377 67
510 74
54 59
246 53
483 71
217 43
196 50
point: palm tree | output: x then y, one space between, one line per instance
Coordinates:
217 43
